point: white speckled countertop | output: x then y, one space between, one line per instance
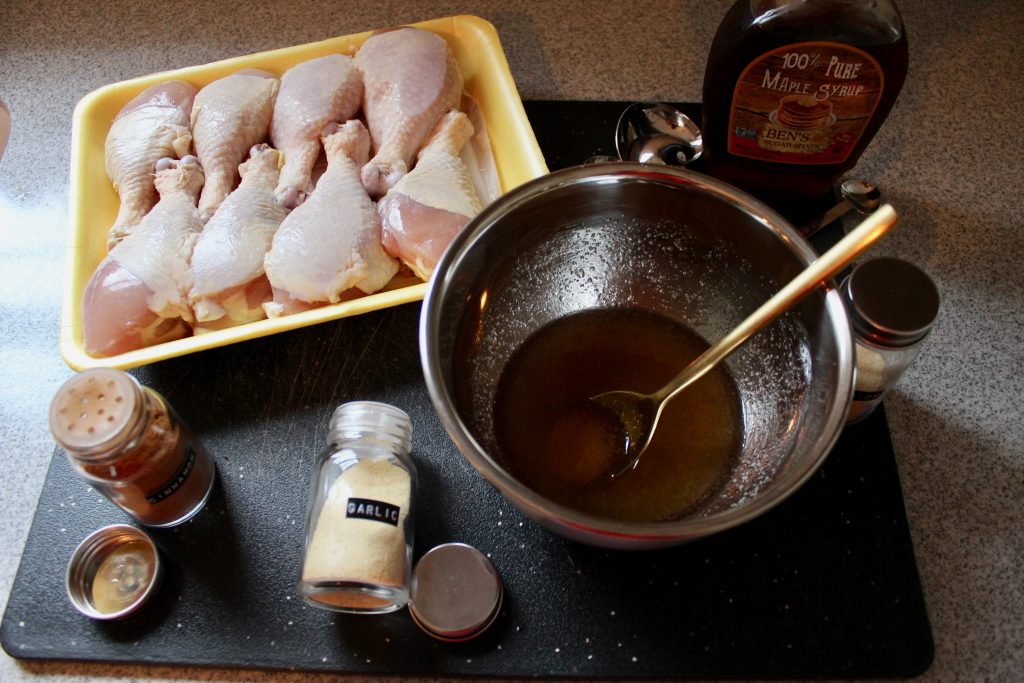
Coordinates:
949 158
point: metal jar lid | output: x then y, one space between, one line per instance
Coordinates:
92 409
891 302
456 592
113 572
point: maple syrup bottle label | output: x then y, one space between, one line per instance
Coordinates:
804 103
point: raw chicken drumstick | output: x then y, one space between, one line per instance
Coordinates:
138 295
424 211
229 286
229 116
410 79
331 242
154 125
313 94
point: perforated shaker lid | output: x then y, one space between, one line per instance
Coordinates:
456 592
92 408
113 572
890 301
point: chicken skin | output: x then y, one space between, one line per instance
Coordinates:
330 243
153 125
424 211
138 295
313 94
229 116
229 285
410 78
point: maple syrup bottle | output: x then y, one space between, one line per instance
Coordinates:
795 89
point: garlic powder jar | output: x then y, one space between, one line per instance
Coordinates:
359 523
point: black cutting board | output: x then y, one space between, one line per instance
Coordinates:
825 585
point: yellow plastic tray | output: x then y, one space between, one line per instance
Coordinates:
93 202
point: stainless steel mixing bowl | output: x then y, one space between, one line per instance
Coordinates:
668 240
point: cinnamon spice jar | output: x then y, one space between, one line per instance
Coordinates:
127 442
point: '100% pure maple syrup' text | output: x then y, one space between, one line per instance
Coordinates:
836 69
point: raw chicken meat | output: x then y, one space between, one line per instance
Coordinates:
229 116
154 125
424 211
229 286
410 79
331 242
137 296
313 94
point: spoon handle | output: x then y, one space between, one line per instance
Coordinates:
824 267
856 194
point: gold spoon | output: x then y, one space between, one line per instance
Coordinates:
639 413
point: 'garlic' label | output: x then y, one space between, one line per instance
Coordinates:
373 510
804 103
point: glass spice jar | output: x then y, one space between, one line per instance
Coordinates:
892 306
127 442
359 522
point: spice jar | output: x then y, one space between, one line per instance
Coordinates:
127 442
892 305
359 523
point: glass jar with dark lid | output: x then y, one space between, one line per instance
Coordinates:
892 306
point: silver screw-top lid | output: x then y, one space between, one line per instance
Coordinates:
456 592
113 572
891 302
380 423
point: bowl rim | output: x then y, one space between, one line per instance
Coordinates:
589 527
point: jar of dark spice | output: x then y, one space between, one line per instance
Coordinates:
127 442
892 306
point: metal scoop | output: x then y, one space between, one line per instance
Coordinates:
856 194
657 134
639 413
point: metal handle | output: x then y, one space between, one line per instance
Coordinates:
824 267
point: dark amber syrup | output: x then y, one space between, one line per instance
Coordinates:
548 440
